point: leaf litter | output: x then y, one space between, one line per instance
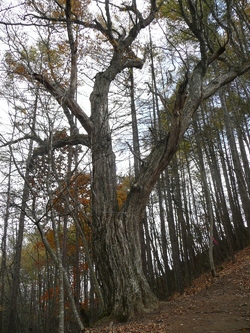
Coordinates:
220 304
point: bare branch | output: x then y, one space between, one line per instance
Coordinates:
62 98
80 139
142 23
224 79
26 137
73 51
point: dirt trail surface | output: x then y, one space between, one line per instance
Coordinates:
220 304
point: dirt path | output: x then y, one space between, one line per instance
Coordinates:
211 305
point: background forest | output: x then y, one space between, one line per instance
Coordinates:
198 212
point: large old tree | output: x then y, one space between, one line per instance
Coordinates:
219 28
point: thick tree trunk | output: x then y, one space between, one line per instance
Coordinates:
115 234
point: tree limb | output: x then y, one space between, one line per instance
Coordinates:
62 98
164 150
73 51
26 137
224 79
81 139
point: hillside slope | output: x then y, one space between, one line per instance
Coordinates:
220 304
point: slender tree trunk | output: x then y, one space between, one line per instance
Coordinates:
181 221
137 160
240 230
207 198
186 203
237 165
3 268
65 277
157 134
13 312
93 278
149 260
173 236
163 235
221 203
56 226
136 144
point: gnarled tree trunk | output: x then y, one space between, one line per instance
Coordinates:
115 233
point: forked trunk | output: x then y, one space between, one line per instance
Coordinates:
115 234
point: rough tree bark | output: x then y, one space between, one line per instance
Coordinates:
116 232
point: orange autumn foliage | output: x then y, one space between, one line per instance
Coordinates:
77 191
122 190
